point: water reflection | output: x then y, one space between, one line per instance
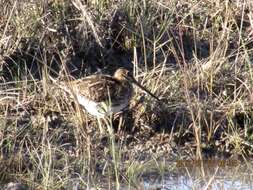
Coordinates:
201 177
186 183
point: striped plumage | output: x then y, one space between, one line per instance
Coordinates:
102 95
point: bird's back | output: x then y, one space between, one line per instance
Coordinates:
103 88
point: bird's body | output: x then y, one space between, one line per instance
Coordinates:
101 95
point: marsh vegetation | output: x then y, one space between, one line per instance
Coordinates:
196 56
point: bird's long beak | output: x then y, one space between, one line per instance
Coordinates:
132 79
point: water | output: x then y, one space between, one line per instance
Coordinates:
186 183
238 177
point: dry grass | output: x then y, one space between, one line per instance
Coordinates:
197 57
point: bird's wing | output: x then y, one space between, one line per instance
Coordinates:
101 88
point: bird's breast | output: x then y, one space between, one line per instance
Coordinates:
102 109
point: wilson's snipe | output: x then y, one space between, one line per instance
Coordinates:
102 95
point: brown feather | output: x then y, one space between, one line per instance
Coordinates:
93 87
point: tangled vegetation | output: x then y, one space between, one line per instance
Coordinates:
196 56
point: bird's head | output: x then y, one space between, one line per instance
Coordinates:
123 74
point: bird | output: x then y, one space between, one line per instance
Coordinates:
103 95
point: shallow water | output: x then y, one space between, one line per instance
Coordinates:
186 183
237 177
